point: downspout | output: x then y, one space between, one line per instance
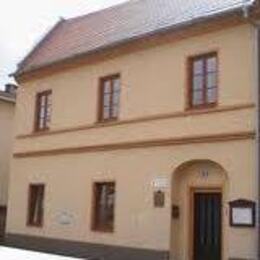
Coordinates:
257 115
256 73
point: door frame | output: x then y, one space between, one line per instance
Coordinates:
192 192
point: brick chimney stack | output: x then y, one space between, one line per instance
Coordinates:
11 88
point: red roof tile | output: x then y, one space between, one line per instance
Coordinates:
120 23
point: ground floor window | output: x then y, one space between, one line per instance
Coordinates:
104 206
35 207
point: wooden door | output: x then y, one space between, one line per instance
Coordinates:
2 222
207 226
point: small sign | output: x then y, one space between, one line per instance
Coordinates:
65 218
242 216
160 183
242 213
159 199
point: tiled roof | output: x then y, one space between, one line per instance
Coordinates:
7 96
84 34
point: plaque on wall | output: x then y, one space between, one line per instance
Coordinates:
64 218
242 213
159 199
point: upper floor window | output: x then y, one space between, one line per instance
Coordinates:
203 86
43 110
104 206
35 207
110 88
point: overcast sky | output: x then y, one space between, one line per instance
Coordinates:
22 23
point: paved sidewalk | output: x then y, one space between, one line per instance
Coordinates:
7 253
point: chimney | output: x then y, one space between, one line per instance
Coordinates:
11 89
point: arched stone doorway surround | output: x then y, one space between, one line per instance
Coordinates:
190 177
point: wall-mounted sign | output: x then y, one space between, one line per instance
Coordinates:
204 174
160 183
242 213
159 199
65 218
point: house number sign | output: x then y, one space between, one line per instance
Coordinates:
160 183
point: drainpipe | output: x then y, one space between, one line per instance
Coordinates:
256 55
257 87
257 124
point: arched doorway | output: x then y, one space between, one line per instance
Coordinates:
199 190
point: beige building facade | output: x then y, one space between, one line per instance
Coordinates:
168 161
7 109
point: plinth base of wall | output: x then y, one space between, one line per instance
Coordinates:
82 250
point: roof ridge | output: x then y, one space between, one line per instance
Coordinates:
92 13
233 6
127 2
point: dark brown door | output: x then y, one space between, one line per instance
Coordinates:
207 226
2 222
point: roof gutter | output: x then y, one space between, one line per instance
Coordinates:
180 26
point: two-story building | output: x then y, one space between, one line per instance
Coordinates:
7 109
136 134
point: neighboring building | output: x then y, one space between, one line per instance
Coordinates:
136 134
7 109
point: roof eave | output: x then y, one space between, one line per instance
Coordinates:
8 99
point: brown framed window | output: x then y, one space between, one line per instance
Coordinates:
203 85
110 88
104 207
36 205
43 110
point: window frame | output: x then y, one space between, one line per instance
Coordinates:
40 221
190 90
39 95
95 226
101 95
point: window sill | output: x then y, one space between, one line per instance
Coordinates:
40 131
202 107
107 121
103 230
34 225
